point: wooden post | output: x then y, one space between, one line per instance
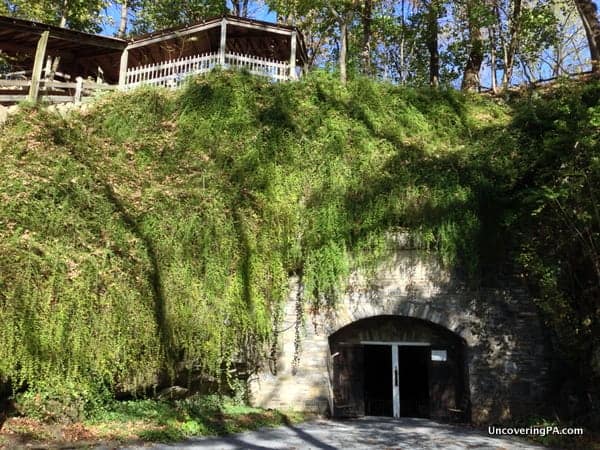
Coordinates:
48 68
78 90
123 68
36 74
223 43
293 56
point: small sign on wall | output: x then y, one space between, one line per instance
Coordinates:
439 355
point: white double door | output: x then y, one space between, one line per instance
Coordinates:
396 368
395 381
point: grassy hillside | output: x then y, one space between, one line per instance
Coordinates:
152 237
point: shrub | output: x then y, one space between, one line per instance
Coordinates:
62 401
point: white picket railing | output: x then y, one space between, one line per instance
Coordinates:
276 70
172 73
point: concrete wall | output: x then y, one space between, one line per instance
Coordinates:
505 355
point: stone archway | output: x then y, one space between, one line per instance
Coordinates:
504 354
398 366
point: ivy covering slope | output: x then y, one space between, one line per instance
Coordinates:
154 235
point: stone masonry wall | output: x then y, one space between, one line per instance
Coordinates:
505 348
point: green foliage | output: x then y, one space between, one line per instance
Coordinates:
157 15
559 188
83 15
156 234
194 416
62 401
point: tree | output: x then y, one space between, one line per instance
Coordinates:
239 8
367 35
432 15
589 16
519 33
123 19
539 34
470 81
567 53
343 13
83 15
160 14
337 15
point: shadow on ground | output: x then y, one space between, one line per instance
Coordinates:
363 433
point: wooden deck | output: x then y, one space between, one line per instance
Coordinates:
15 91
170 74
163 58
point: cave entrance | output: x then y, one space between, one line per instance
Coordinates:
376 374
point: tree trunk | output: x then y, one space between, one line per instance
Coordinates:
515 31
557 69
343 50
63 14
498 43
123 22
402 44
367 20
432 44
240 8
588 13
62 24
470 81
494 75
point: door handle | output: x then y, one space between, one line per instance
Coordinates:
395 376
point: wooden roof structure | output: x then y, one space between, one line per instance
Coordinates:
82 54
246 36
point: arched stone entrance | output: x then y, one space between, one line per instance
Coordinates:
399 367
504 360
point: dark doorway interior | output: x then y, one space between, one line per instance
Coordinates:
378 380
414 381
361 372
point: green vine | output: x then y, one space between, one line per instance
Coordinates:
155 235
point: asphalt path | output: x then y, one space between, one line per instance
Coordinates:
364 433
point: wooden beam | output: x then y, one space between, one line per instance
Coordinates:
223 43
12 26
123 68
6 98
255 26
173 35
293 57
38 65
15 83
14 47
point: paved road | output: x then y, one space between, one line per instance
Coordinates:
364 433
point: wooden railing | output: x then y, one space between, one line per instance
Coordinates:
172 73
167 74
14 91
276 70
